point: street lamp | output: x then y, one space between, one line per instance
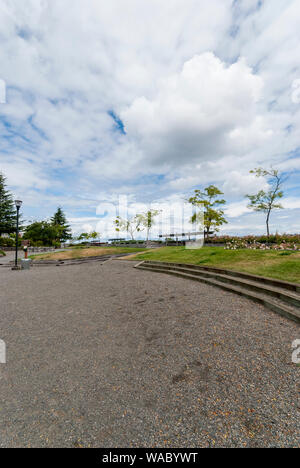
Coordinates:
18 204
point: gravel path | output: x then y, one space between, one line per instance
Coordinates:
110 356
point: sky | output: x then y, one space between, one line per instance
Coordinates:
148 101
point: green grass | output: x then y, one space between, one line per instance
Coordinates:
2 254
273 264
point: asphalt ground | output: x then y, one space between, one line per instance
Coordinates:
110 356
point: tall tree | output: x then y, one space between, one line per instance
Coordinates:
43 232
89 236
59 219
83 236
131 225
266 201
213 214
94 235
148 219
7 209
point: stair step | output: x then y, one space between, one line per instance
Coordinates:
253 285
261 279
276 305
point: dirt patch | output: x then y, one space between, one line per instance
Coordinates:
132 257
79 253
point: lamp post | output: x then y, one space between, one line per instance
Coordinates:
18 204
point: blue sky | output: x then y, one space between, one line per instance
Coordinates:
149 100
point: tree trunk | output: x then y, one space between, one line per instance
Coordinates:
267 223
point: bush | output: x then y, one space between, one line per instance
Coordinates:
238 244
40 243
2 254
7 242
37 244
273 239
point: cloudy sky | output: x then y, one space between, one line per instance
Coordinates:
149 100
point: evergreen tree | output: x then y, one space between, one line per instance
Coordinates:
59 219
7 209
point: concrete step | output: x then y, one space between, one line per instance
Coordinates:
279 292
261 279
275 304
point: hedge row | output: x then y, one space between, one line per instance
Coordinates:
273 239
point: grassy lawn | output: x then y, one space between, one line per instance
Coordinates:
81 252
273 264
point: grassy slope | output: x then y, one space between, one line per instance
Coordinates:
280 265
80 252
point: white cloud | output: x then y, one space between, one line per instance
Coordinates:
291 203
240 185
205 90
24 175
197 112
236 209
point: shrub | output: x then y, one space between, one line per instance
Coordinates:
7 242
238 244
250 239
37 244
